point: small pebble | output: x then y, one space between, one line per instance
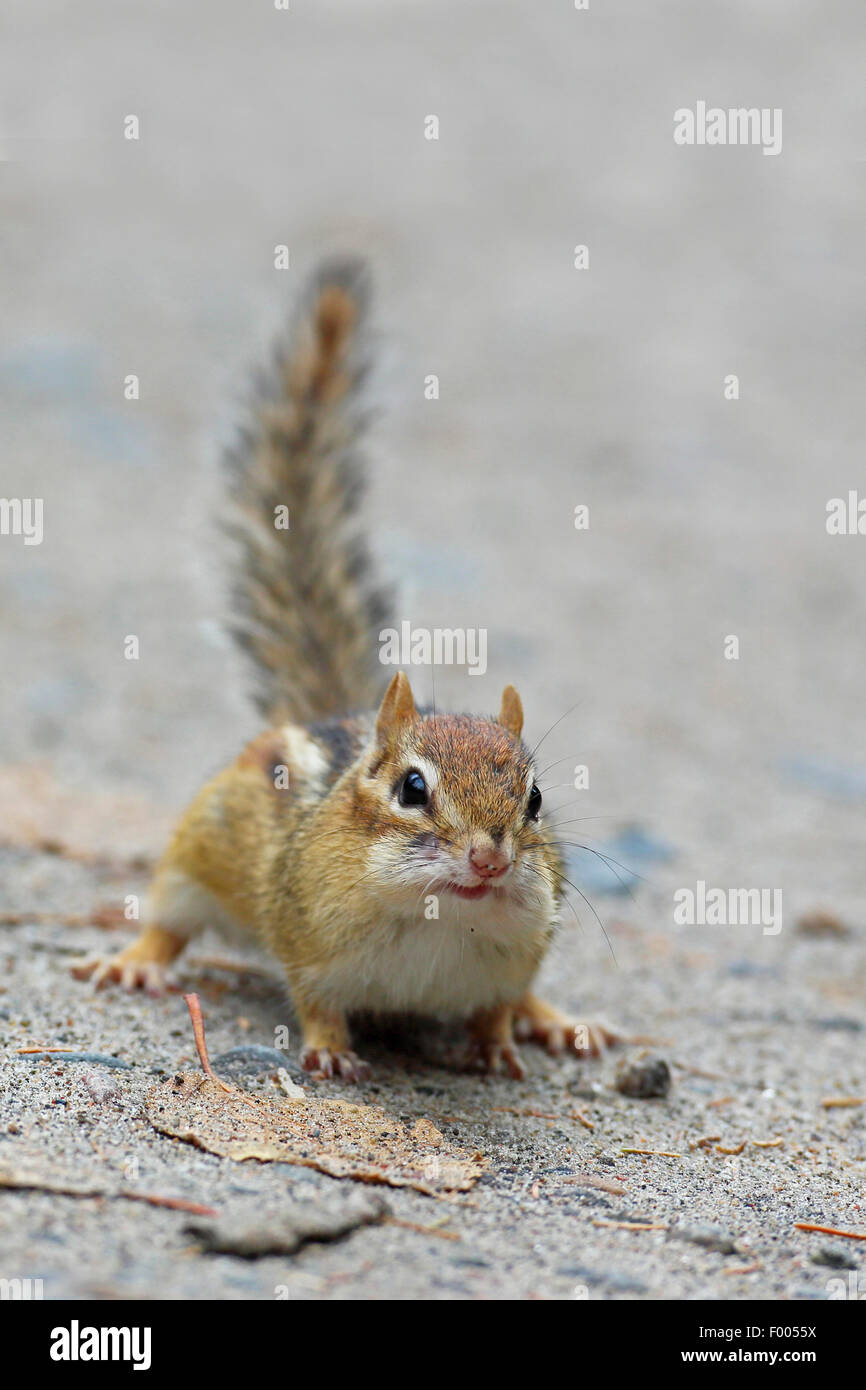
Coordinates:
646 1077
835 1256
100 1088
710 1237
821 923
253 1235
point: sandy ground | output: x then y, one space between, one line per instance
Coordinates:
558 387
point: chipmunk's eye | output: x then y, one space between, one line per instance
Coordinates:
413 790
534 807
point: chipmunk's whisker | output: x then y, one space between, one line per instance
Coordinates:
554 725
607 858
562 876
552 886
567 759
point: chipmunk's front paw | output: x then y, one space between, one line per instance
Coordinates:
130 974
541 1023
491 1042
325 1064
143 964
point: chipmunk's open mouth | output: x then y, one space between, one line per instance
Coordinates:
479 891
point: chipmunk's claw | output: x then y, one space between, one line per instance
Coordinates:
599 1039
495 1058
131 975
326 1065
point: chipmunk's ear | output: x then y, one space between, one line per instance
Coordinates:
511 711
396 710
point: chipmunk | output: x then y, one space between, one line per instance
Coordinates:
333 832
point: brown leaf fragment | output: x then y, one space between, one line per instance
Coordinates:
599 1184
697 1071
339 1137
652 1153
433 1230
425 1132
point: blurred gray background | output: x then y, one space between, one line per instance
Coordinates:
558 387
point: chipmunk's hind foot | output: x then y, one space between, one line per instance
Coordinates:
538 1022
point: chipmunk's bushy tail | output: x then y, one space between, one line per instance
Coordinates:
308 609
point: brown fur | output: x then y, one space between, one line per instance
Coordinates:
308 607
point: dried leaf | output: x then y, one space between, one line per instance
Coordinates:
339 1137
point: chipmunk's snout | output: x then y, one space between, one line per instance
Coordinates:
489 860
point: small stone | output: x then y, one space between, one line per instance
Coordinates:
99 1087
582 1091
252 1237
710 1237
643 1078
821 923
835 1256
